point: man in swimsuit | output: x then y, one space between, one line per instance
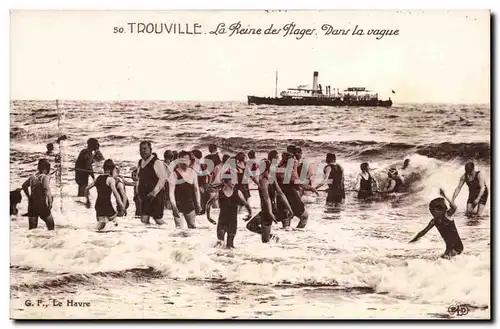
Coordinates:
334 177
444 224
151 185
40 199
478 191
83 166
268 192
288 180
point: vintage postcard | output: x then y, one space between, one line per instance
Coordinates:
264 164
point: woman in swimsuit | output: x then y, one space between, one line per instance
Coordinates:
366 183
184 191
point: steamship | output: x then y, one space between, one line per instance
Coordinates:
319 96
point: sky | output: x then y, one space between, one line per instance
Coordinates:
437 56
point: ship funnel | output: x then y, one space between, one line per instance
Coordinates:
315 81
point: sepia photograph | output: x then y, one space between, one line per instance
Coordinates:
252 164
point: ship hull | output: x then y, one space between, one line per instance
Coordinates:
285 101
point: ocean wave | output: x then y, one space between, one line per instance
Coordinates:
47 116
448 151
187 135
18 133
357 148
22 158
148 273
184 117
85 278
460 122
300 122
368 274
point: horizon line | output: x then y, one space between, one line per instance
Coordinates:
222 101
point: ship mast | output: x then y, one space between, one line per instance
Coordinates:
276 87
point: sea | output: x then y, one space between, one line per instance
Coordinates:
356 263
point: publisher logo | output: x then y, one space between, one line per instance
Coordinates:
458 309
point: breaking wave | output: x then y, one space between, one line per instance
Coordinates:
358 148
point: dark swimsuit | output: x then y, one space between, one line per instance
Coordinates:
449 233
37 204
103 206
474 189
84 161
242 186
184 195
336 192
365 190
228 216
203 179
147 182
292 194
